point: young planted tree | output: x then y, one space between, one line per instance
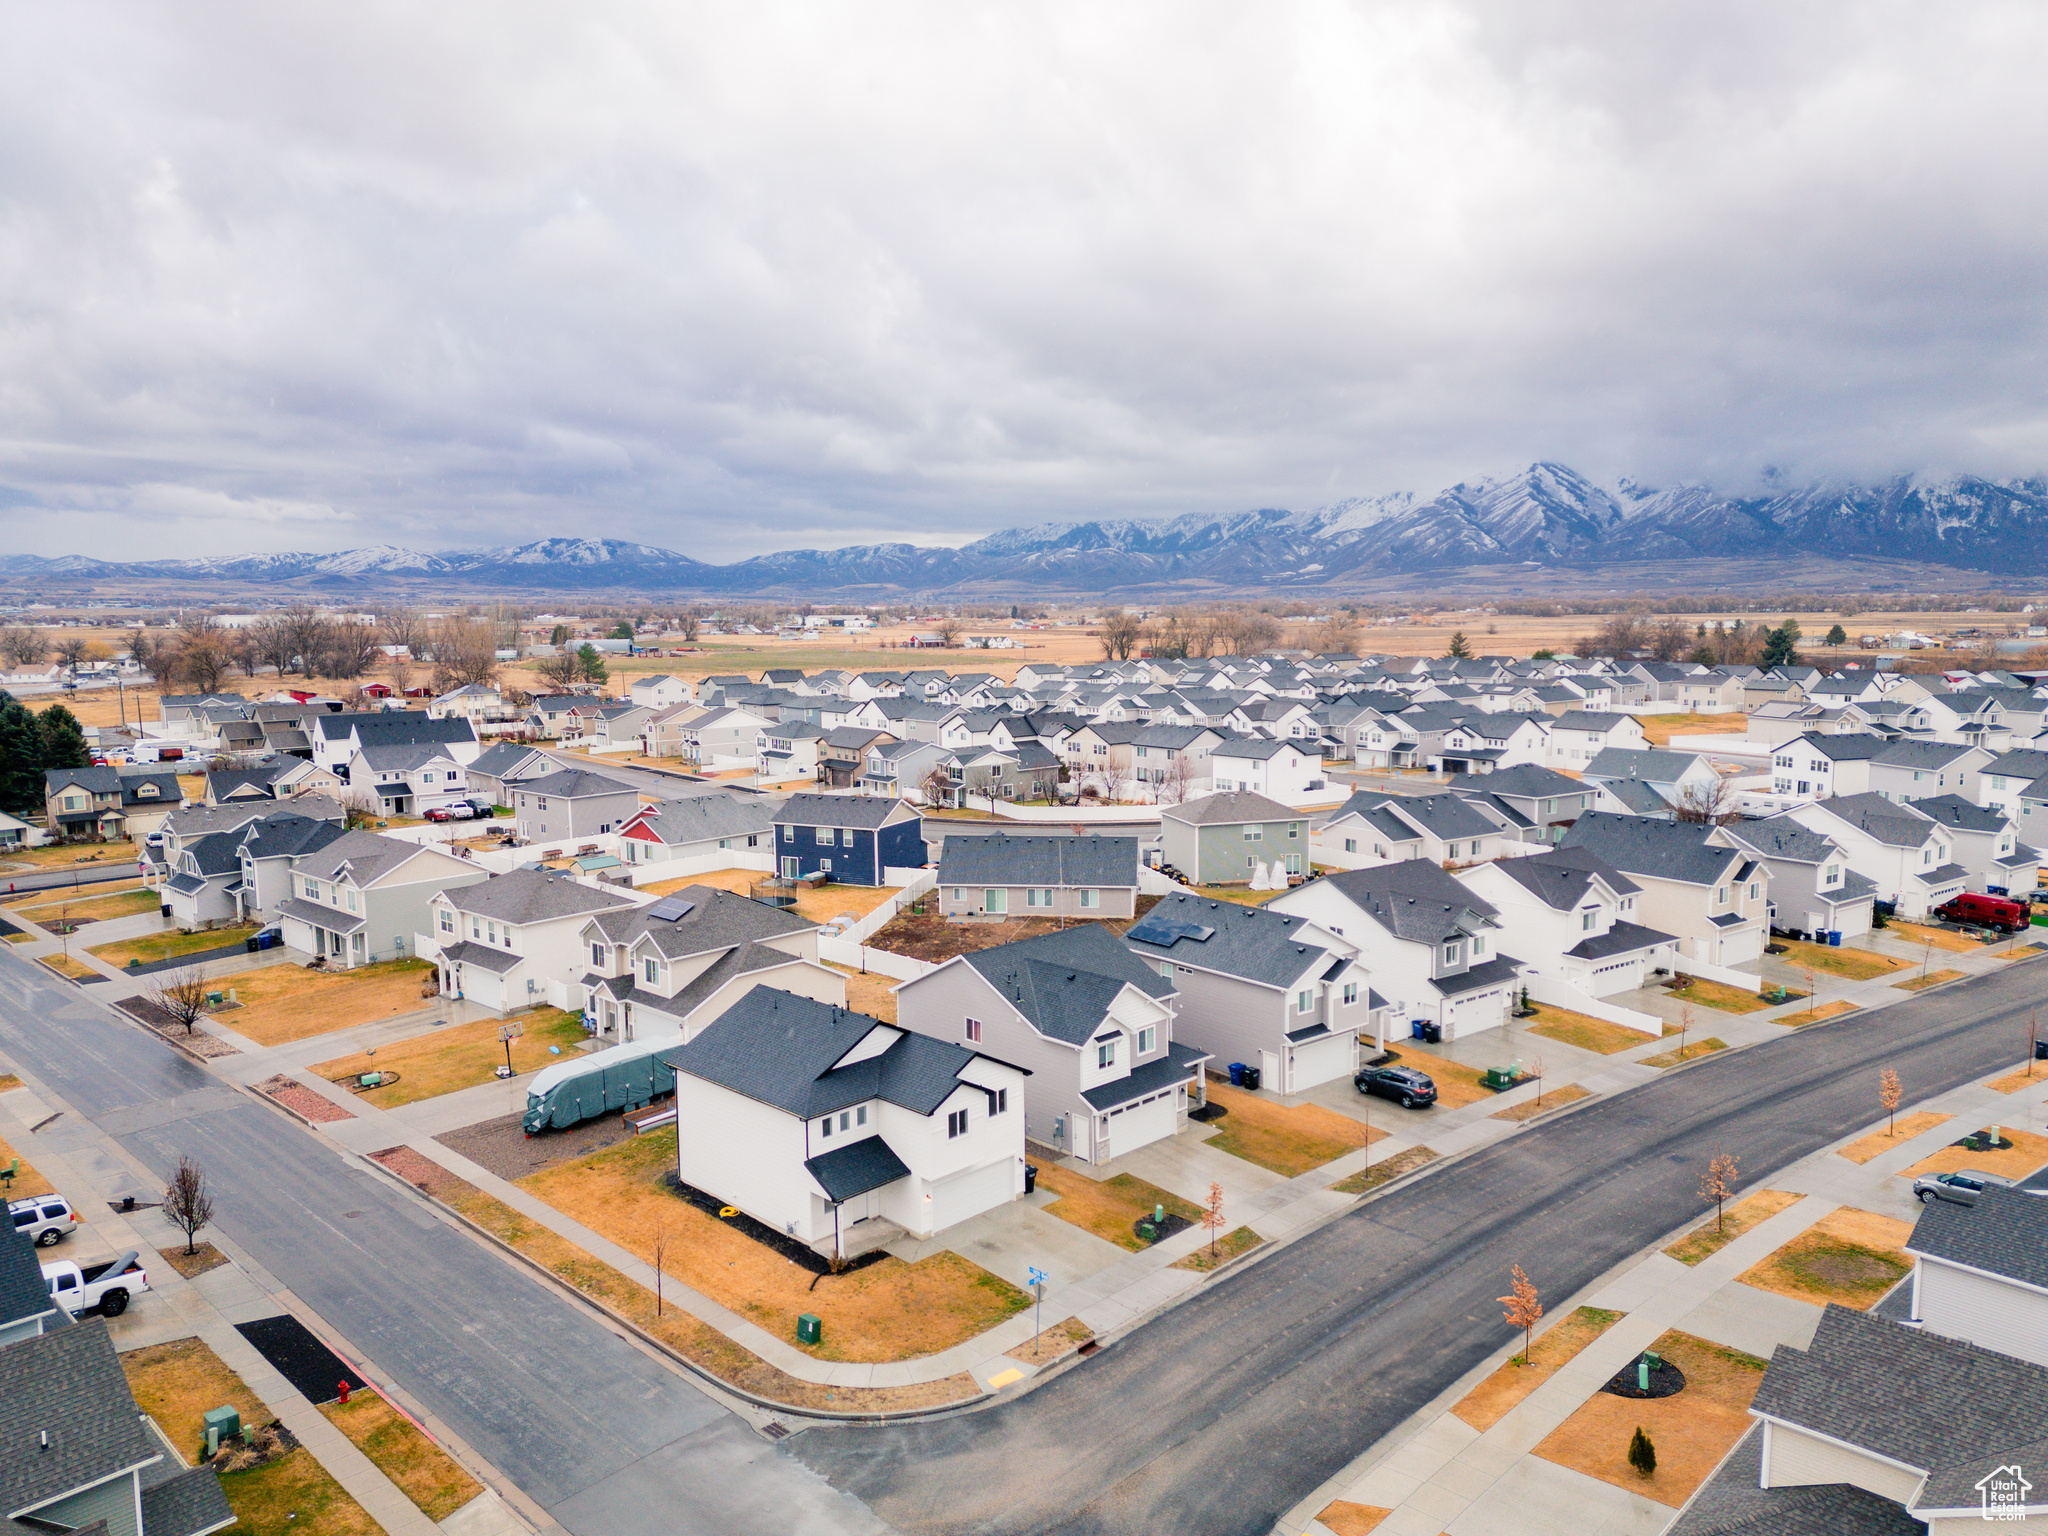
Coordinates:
1642 1455
187 1202
181 994
1684 1027
1889 1093
1524 1308
1812 991
1212 1216
1718 1181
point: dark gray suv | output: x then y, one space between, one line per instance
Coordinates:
1413 1089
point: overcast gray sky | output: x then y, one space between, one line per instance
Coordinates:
739 277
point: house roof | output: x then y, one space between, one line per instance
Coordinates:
532 896
1884 820
1441 815
1230 809
184 1502
1000 859
367 854
1963 815
1251 943
1621 938
575 784
856 1168
22 1292
1734 1502
701 817
1651 766
1063 982
1255 749
287 837
863 811
1780 837
1921 754
66 1384
1644 845
403 756
1561 877
506 757
706 919
1414 900
2005 1233
1180 1063
1474 978
482 956
389 727
1590 720
1524 781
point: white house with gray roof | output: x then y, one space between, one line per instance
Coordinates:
515 940
571 803
1000 875
1814 891
501 765
405 779
1573 918
714 831
1918 770
1284 770
1088 1019
1374 828
1578 736
841 1130
1906 855
1986 843
670 967
1272 989
364 897
1697 883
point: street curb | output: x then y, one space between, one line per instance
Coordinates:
668 1352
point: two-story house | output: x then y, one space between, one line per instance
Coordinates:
660 691
989 773
843 754
1271 989
1573 917
1985 841
788 750
1373 828
1429 944
907 770
110 803
501 765
364 897
1537 804
1578 736
1088 1019
854 839
1907 856
716 739
1920 770
1222 839
999 875
338 738
405 779
1696 883
267 850
571 803
1814 766
1814 892
815 1120
1479 742
671 967
735 828
1171 763
1284 770
499 943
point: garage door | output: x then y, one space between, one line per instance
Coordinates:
1322 1061
971 1193
1139 1125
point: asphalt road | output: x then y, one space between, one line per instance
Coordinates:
1234 1406
606 1439
71 875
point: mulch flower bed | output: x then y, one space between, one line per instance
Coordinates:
157 1018
1666 1380
296 1096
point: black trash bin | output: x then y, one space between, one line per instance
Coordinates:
1432 1034
1251 1078
2041 1050
1030 1178
251 944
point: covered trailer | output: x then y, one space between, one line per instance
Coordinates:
604 1082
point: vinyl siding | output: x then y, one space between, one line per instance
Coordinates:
1963 1304
1796 1460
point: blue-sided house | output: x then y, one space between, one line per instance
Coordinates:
852 838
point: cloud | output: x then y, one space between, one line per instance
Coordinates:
732 279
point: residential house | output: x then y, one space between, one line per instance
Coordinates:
788 750
1814 892
999 875
365 897
903 770
737 829
481 704
501 942
110 803
501 765
1171 763
1917 770
815 1120
854 839
405 779
1578 736
1267 988
1984 841
281 778
1573 917
556 716
1980 1272
1479 742
660 691
716 739
1906 855
1092 1024
843 754
201 882
1427 942
1280 770
1374 827
2001 781
1815 766
338 738
672 967
1696 882
1537 804
1673 778
1026 771
14 832
571 803
1223 839
267 850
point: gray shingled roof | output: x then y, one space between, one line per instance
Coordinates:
1063 982
999 859
504 757
1641 798
1414 900
1733 1503
716 920
1664 850
403 756
1231 809
390 726
66 1384
1651 766
1562 876
1963 815
1250 943
575 784
1178 1065
532 896
1885 820
183 1503
22 1293
1621 938
1524 781
1921 754
1780 837
701 817
367 854
864 811
856 1168
2004 1233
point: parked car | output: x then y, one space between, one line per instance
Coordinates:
1982 911
46 1218
103 1288
1413 1089
459 811
482 807
1962 1186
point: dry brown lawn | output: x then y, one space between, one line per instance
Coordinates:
1585 1031
26 1180
1923 934
1711 1236
454 1057
1456 1085
1228 1247
1717 994
403 1452
203 1257
697 1342
1490 1402
2031 1075
1931 979
1877 1143
128 901
886 1311
171 944
1691 1051
1848 962
1553 1098
281 1003
868 992
1692 1431
740 882
65 855
1348 1519
1289 1139
830 901
1370 1178
1849 1256
1661 728
1110 1208
1062 1338
2027 1153
69 966
176 1383
1817 1015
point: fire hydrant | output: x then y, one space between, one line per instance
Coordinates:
344 1394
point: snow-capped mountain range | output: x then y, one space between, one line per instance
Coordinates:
1546 515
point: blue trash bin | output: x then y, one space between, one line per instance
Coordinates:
1835 937
1416 1027
1237 1074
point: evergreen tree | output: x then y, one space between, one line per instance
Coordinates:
1642 1455
623 632
1838 636
1461 649
21 759
590 662
559 635
1781 645
63 739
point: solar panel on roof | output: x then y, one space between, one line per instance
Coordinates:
671 909
1165 930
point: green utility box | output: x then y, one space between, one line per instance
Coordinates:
221 1424
809 1330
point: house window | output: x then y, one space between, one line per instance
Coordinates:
1304 1001
313 888
995 901
476 928
1350 992
351 898
789 834
491 933
956 1124
1254 834
1478 945
1721 896
1166 969
1351 845
825 1128
652 969
447 921
1037 898
974 1030
1586 920
825 866
1450 954
958 894
1148 1039
1091 900
1105 1054
860 1115
1752 890
1294 829
998 1101
597 956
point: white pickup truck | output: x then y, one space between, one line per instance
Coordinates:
102 1288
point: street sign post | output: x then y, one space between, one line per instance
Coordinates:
1037 1284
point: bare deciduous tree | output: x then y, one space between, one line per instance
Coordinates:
1524 1308
158 655
402 626
937 785
306 631
1171 787
350 649
1889 1093
1212 1216
24 646
465 652
187 1202
72 651
271 640
181 994
1717 1182
689 624
1711 804
204 661
1120 634
948 630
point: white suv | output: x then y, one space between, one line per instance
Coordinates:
46 1218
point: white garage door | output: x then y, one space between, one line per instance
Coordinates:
971 1193
1322 1061
1139 1125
